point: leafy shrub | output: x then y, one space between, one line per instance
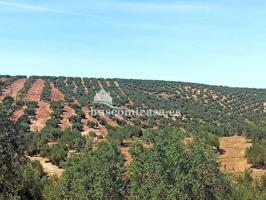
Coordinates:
257 154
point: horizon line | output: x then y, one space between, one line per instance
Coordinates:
141 79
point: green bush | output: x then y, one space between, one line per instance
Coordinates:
257 154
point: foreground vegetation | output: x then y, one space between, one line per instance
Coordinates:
164 166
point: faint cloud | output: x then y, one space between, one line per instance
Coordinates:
149 7
107 7
33 8
145 7
24 7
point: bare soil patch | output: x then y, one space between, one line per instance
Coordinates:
48 168
43 113
99 130
35 92
18 113
233 159
56 94
67 114
14 88
109 121
164 95
126 155
86 121
234 149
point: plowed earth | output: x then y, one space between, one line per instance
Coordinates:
14 88
67 114
35 91
43 113
56 94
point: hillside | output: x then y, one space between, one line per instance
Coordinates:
130 139
227 110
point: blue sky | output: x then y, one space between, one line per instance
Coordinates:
217 42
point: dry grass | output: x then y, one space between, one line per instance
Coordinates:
48 168
233 159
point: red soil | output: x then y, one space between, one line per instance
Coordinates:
87 119
67 114
35 92
109 121
56 94
120 117
14 88
18 113
100 130
126 155
43 113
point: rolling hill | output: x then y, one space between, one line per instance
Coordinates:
68 127
228 110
